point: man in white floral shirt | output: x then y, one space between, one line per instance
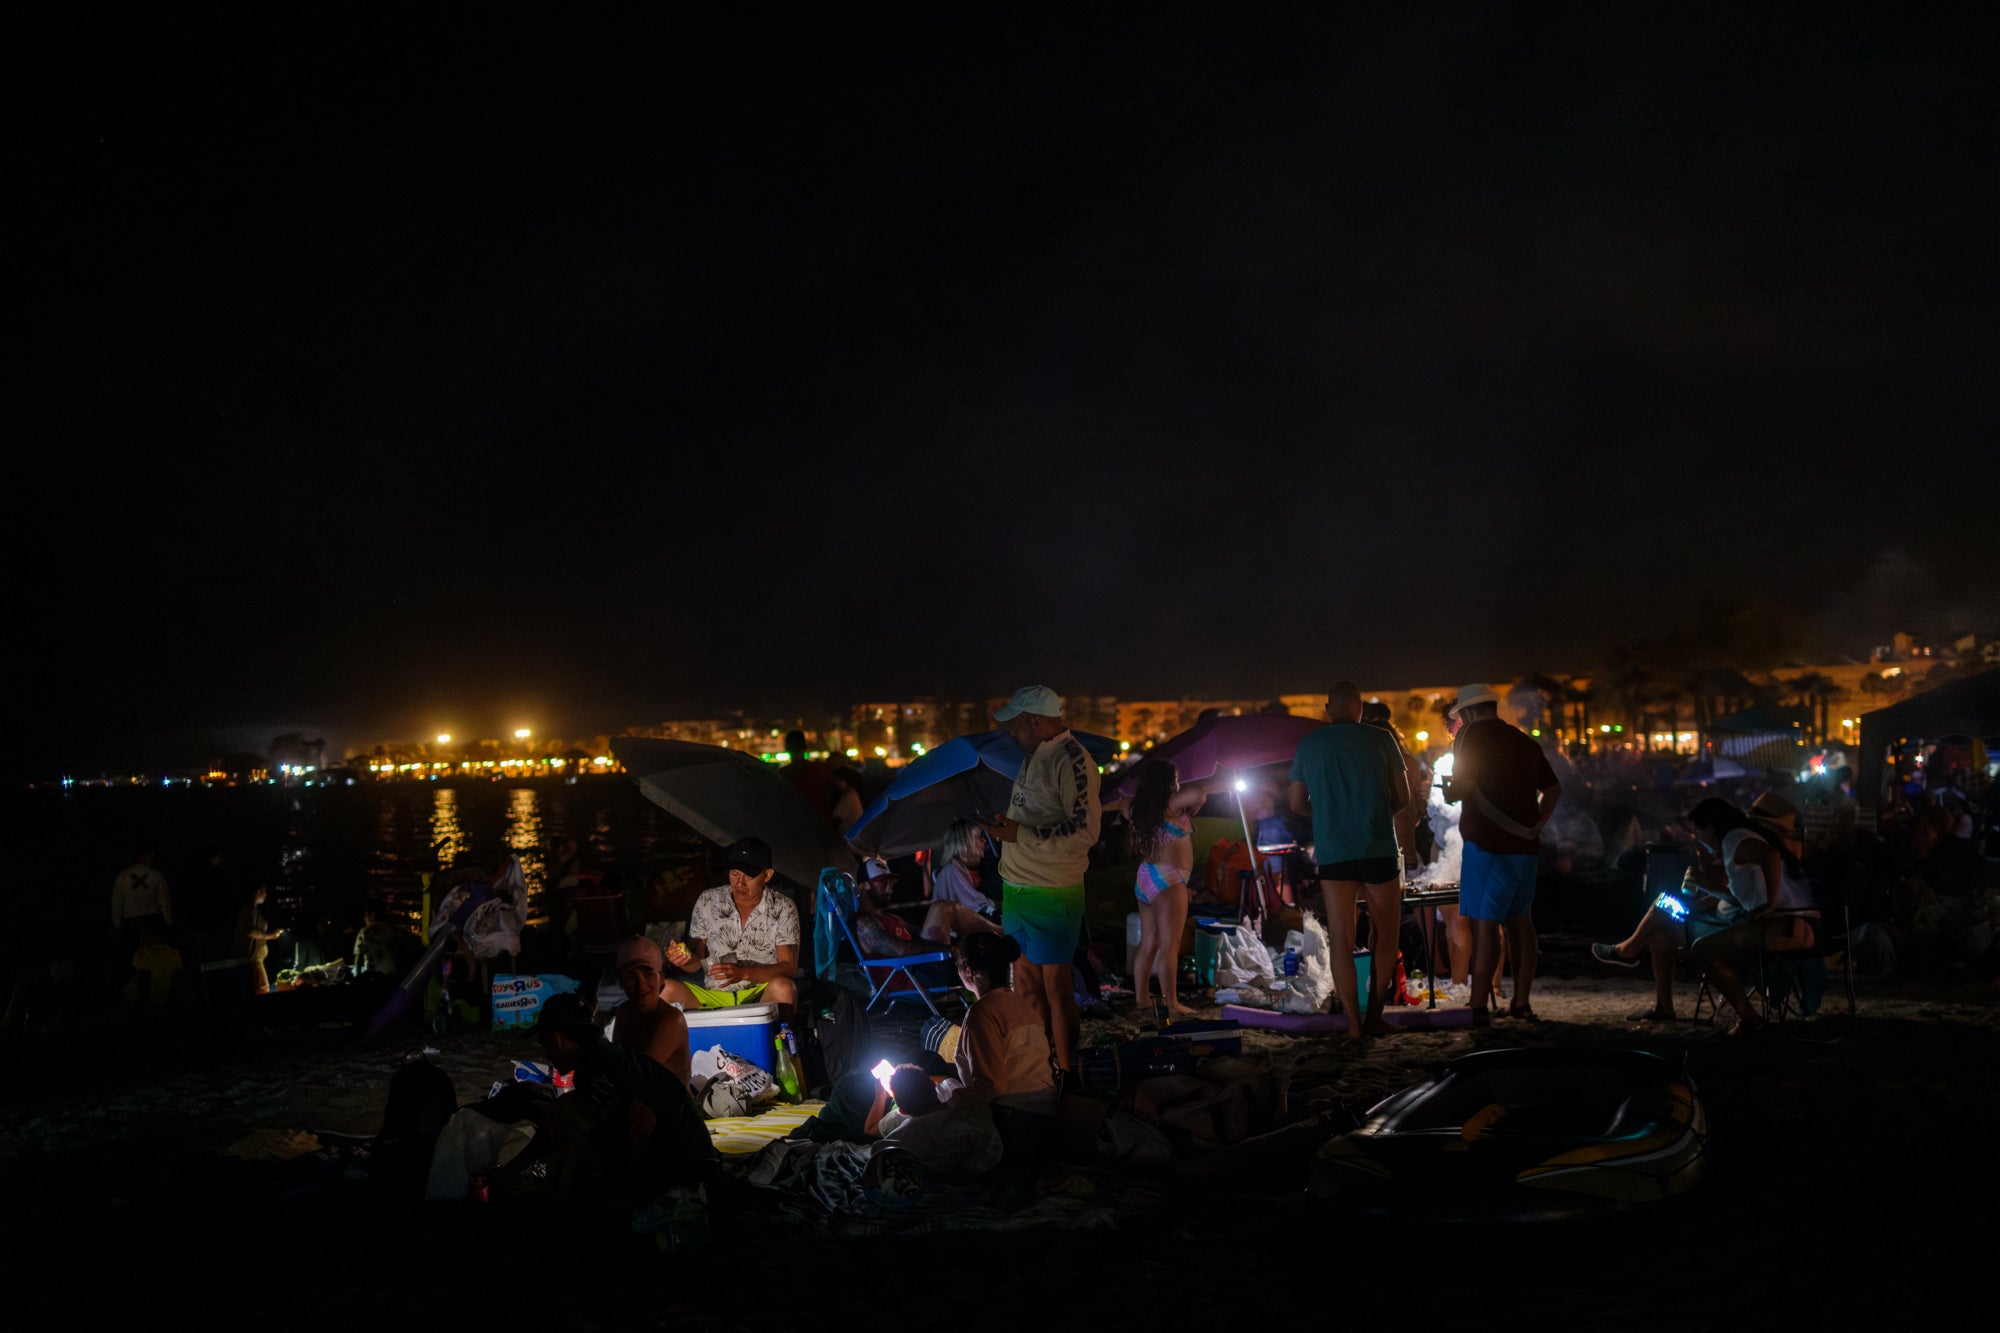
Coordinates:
744 937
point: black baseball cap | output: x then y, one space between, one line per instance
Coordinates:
752 856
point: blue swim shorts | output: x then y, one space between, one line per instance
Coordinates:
1046 923
1493 886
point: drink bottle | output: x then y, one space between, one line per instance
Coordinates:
786 1067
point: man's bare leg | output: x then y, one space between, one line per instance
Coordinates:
1485 964
783 992
944 920
1050 987
1524 949
1339 895
1385 929
1059 982
1458 935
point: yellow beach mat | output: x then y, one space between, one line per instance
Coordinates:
737 1135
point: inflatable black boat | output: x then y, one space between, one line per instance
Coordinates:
1523 1135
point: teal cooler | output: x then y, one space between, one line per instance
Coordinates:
1207 949
746 1030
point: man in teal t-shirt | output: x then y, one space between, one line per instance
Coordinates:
1349 777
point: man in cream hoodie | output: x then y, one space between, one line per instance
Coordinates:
1045 839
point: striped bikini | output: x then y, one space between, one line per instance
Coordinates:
1154 878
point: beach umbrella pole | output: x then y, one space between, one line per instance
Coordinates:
1250 841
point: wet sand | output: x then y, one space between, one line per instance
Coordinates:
1833 1135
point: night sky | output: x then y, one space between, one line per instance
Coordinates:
489 372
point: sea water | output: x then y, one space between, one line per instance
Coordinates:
323 851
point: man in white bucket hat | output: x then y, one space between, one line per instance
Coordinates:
1509 792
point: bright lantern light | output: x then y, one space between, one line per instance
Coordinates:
1241 785
444 738
522 733
1423 736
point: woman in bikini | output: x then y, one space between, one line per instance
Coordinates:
1162 814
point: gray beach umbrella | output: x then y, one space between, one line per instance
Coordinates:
726 794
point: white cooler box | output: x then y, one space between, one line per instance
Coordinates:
747 1030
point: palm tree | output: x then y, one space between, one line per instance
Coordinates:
1551 692
1631 682
1816 691
1579 698
1670 693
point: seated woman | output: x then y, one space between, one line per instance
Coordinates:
1750 893
883 934
1003 1061
959 858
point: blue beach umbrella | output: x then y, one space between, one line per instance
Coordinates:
969 775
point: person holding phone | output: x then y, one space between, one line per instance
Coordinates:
1746 891
253 938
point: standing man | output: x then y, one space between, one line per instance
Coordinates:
1046 835
1350 778
1509 791
139 897
744 936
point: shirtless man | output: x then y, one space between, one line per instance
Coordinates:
647 1025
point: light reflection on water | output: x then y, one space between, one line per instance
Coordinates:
327 851
524 838
447 838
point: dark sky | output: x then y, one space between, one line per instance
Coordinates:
490 372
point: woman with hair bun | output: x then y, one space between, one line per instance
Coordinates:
1003 1052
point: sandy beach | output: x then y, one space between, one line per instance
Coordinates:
1827 1133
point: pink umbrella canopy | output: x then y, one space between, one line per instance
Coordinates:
1220 743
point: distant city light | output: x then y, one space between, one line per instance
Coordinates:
917 748
881 753
853 754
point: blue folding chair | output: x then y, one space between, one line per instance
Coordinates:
881 972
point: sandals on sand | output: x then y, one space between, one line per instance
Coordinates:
1523 1015
1652 1016
1608 953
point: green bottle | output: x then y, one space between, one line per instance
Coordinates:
785 1068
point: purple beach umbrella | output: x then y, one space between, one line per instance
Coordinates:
1223 744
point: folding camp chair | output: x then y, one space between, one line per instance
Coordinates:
882 971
